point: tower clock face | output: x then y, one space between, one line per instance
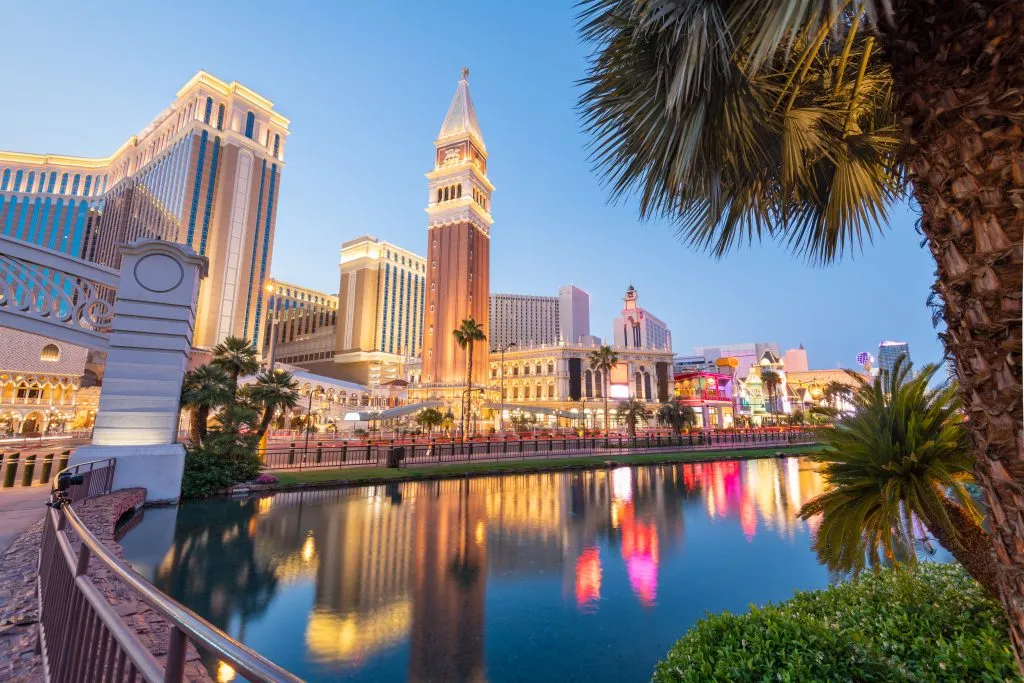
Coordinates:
452 155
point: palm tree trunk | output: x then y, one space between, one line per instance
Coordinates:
604 380
973 547
200 417
957 75
268 415
469 387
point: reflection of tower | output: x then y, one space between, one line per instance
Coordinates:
449 580
458 243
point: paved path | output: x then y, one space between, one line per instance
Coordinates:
20 508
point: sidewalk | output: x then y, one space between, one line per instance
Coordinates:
20 508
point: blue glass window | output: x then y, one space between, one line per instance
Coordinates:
6 180
220 117
53 181
88 185
75 182
196 189
105 182
209 110
41 185
252 262
211 181
266 243
277 145
250 121
17 181
30 181
63 183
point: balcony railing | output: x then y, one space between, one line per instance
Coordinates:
706 395
82 638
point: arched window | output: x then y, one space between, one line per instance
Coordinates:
74 183
647 385
250 122
220 117
17 180
277 145
50 352
526 391
458 190
31 181
6 180
588 384
551 391
209 110
64 183
599 380
446 194
637 386
551 368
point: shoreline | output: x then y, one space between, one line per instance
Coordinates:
316 479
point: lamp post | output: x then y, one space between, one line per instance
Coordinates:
309 411
464 393
273 325
501 396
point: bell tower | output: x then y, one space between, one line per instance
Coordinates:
458 244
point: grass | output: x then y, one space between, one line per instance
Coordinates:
355 475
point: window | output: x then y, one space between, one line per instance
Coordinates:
459 190
599 383
31 181
6 180
17 181
551 368
75 182
588 384
526 392
551 391
277 145
209 110
50 353
63 183
250 122
220 117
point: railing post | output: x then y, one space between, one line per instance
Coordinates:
83 560
44 475
10 469
29 470
62 464
174 670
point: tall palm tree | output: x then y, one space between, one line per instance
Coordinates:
633 411
203 389
603 359
903 454
237 357
272 391
467 334
835 391
771 381
676 416
803 122
429 418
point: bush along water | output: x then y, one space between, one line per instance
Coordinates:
929 622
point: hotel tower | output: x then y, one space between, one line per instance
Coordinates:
206 172
458 247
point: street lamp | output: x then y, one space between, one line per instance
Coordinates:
309 410
501 398
273 325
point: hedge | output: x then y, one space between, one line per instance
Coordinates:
931 622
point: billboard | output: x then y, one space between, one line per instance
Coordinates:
618 381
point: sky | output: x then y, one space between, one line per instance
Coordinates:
366 87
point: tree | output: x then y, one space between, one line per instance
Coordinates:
448 422
802 123
835 392
237 357
603 359
633 411
203 389
771 381
798 417
429 418
676 416
903 454
466 335
272 391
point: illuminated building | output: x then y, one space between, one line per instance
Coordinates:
523 320
303 320
573 314
40 381
205 172
709 394
796 359
748 354
637 328
380 311
458 248
807 389
554 381
889 352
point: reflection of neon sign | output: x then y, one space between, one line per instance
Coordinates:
622 484
588 577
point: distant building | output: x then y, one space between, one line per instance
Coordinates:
682 364
573 314
522 319
796 359
889 352
637 328
380 311
301 323
747 354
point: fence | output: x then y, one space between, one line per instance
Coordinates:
347 454
97 479
81 636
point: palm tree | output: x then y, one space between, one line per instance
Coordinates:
466 334
237 357
803 123
903 454
633 411
835 392
676 416
771 381
429 418
203 389
272 391
603 359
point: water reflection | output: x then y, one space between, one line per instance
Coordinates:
419 575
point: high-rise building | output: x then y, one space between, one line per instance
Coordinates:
746 354
889 352
573 314
458 245
380 310
637 328
523 319
205 172
303 321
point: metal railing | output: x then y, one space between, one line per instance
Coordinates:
377 454
81 636
97 479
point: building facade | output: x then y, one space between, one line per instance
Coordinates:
458 247
523 320
381 300
796 359
891 351
300 324
637 328
573 314
747 354
205 172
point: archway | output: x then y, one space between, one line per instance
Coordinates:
33 424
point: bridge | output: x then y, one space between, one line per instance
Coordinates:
142 316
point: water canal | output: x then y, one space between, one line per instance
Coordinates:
583 576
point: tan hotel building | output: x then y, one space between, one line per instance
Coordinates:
300 321
205 172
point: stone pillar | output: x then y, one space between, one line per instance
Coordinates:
151 335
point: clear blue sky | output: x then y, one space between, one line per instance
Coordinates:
366 86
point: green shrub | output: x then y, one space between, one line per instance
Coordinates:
930 622
207 472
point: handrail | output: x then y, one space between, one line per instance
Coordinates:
202 633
